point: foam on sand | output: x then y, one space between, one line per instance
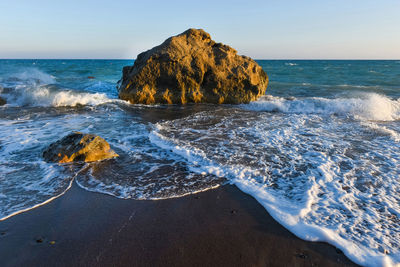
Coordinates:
325 178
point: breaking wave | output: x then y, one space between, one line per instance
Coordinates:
325 178
33 87
367 106
323 158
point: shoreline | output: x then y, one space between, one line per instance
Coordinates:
218 227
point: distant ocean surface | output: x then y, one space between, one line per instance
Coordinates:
320 151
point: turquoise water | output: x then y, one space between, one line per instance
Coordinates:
320 151
325 78
330 78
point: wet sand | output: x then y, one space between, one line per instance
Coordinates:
220 227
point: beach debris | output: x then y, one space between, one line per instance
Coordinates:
301 255
78 146
383 250
192 68
2 101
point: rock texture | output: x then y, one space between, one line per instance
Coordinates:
2 101
192 68
79 147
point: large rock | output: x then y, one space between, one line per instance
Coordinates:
79 147
192 68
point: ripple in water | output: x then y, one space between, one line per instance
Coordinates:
322 159
143 170
325 176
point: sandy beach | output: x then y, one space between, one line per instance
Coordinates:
220 227
212 133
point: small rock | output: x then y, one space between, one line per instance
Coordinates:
301 255
383 250
345 187
79 147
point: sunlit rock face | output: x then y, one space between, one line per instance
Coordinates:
192 68
79 147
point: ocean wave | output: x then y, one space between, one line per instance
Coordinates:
288 84
324 178
28 76
51 95
368 106
142 171
32 87
356 86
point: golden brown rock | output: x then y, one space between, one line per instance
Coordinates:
79 147
192 68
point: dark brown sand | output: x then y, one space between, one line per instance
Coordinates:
221 227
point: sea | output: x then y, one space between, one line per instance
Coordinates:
320 151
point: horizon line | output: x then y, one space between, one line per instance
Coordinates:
299 59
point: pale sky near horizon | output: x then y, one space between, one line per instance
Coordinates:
285 29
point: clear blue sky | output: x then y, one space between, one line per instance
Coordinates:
280 29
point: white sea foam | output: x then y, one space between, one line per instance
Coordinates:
23 207
143 170
26 180
327 169
32 87
35 75
369 106
28 75
325 178
49 96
